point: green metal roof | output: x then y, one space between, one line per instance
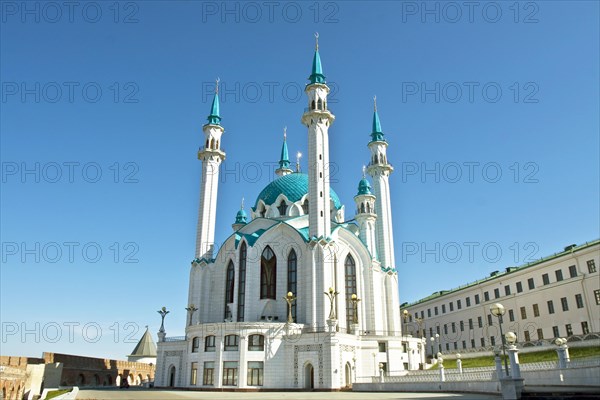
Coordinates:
364 187
377 134
284 161
250 238
496 274
241 217
293 186
317 70
145 347
214 118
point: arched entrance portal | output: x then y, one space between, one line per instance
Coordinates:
309 376
348 375
172 376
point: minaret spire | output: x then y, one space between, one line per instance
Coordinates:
211 156
284 160
376 133
316 75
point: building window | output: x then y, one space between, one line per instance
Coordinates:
268 274
489 317
462 326
464 344
540 334
579 300
511 315
454 327
209 343
591 266
555 331
255 373
293 278
447 346
559 275
451 306
482 342
472 343
527 336
458 304
242 283
428 313
231 342
536 310
382 347
597 296
573 271
195 344
545 279
445 329
468 301
256 343
507 290
564 303
550 307
480 322
493 340
230 371
443 309
486 296
470 323
282 208
229 283
476 299
584 328
519 287
455 346
435 310
209 373
531 283
523 313
496 293
194 374
350 279
569 329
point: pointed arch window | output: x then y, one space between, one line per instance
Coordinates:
268 274
229 283
292 285
350 279
242 282
362 207
282 208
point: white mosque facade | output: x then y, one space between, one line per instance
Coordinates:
298 297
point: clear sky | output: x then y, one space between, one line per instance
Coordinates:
490 111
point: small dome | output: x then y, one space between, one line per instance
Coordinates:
364 187
294 187
241 217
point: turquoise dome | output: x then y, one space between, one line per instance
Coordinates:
364 187
241 217
293 186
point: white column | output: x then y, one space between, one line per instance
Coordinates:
242 367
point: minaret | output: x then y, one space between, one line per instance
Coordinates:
284 162
366 215
241 218
211 156
380 170
318 119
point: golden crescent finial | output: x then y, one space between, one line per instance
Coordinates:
242 205
317 41
284 132
375 103
364 169
217 85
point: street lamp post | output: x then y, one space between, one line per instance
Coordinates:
289 298
433 345
191 309
498 310
354 299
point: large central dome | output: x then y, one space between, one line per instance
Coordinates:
294 187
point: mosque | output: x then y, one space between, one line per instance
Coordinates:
299 296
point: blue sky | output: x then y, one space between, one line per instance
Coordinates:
491 115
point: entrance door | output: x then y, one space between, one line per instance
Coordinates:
172 377
348 375
309 377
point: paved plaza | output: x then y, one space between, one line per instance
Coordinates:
135 394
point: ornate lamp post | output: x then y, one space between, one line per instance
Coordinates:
405 315
191 309
511 339
161 332
498 310
563 352
289 298
331 295
354 299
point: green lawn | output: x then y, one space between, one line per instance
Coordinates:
56 393
524 358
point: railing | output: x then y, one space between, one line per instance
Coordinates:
175 339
